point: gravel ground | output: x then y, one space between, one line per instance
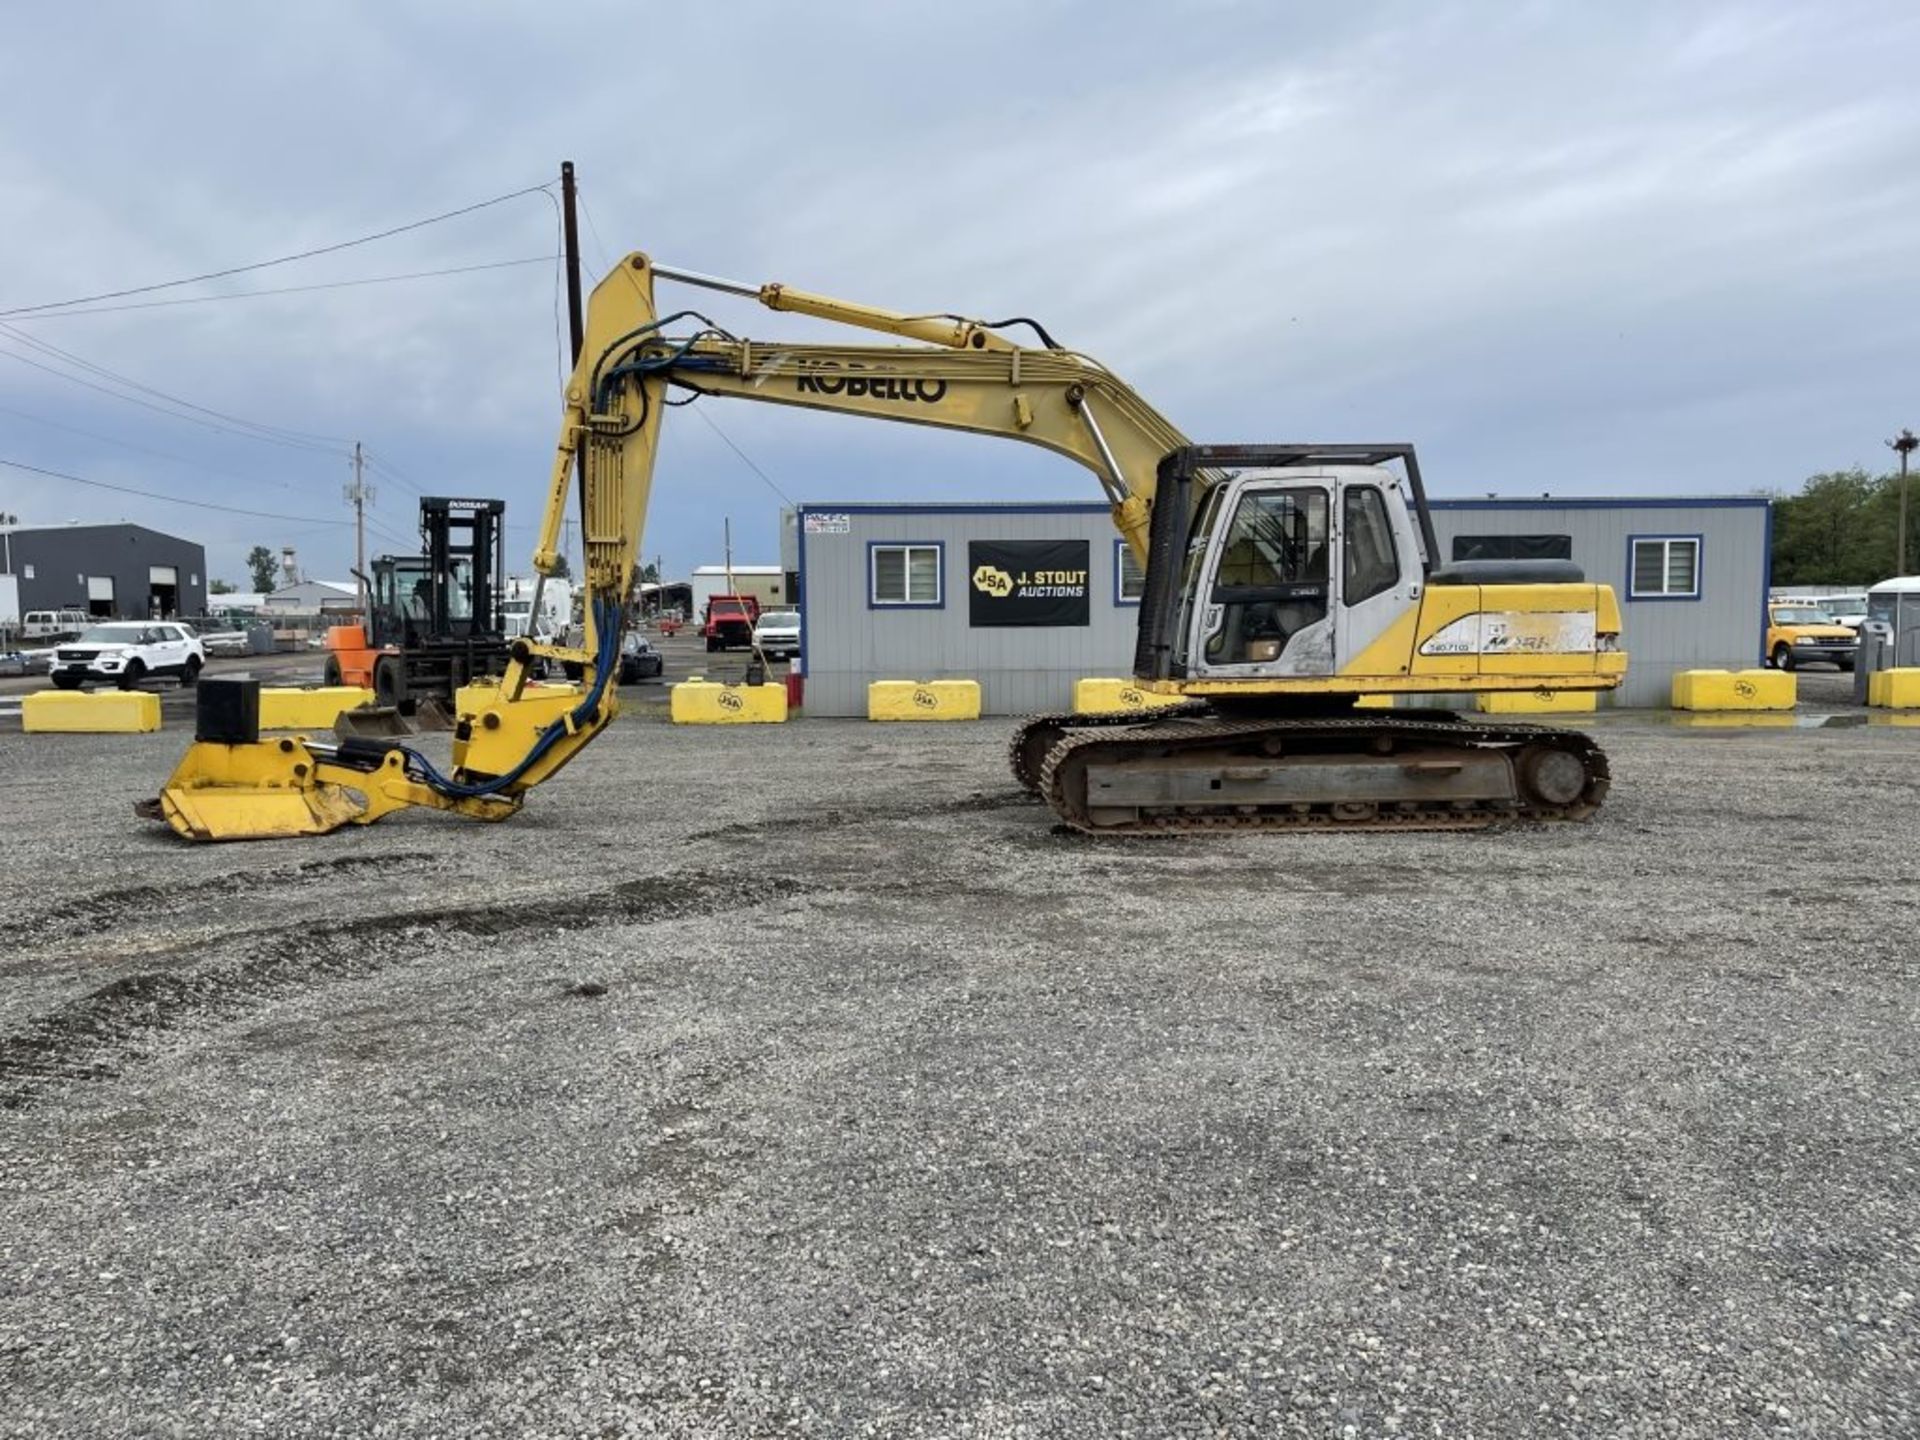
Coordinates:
902 1114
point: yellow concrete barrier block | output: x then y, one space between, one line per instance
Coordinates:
1533 702
1099 696
315 709
923 700
1734 690
103 712
1894 689
702 702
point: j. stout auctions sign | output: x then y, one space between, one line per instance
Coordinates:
1028 582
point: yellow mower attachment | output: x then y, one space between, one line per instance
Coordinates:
231 785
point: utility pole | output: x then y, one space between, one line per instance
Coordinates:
358 494
1904 445
7 522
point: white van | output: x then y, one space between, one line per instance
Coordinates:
49 627
1849 610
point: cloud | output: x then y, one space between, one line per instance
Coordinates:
1631 247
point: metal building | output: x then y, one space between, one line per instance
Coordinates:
888 592
766 583
110 571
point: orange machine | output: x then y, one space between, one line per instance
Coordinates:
434 621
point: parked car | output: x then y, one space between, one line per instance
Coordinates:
126 652
12 662
220 642
638 659
1805 634
778 634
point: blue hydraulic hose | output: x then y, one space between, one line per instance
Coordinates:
606 616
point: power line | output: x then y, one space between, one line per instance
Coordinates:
268 264
137 449
392 472
598 243
149 405
559 275
712 424
290 289
284 433
701 412
168 499
402 541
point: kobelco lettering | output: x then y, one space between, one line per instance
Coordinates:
877 387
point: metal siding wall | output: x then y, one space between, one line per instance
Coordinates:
1020 669
1024 670
1721 630
125 552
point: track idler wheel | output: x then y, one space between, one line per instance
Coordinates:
1550 775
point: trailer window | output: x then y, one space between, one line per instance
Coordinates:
1665 567
904 575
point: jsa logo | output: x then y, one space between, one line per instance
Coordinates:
992 580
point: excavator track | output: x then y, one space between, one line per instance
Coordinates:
1036 735
1184 773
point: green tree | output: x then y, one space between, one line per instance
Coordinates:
1841 529
261 565
220 587
561 569
1826 534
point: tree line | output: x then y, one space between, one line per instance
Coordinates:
1841 528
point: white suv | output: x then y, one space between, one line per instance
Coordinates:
127 652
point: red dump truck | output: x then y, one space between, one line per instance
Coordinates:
728 622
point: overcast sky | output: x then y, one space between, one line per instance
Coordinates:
1580 248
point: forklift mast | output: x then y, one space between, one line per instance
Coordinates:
435 620
466 546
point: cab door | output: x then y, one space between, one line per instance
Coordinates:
165 650
1380 574
1264 601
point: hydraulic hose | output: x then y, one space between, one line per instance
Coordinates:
607 618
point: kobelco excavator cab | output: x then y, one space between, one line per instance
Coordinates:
1296 558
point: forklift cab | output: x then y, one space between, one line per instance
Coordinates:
435 620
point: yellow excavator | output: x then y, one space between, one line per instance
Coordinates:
1282 583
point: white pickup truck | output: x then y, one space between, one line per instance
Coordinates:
126 652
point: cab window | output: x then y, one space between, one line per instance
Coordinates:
1271 580
1369 565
